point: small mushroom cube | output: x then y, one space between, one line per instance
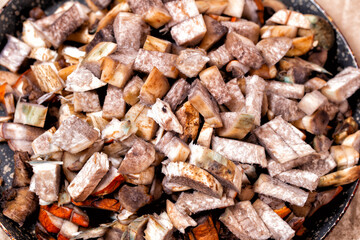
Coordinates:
89 177
43 143
179 219
157 44
86 101
175 149
47 181
181 10
252 153
277 189
134 198
214 82
311 102
286 108
14 53
244 50
114 72
162 114
255 88
205 135
177 93
287 90
114 104
235 125
30 114
343 85
274 49
220 56
140 156
159 227
189 119
132 90
202 101
82 80
189 32
300 178
237 101
191 61
224 170
245 28
165 62
130 30
74 135
155 86
47 77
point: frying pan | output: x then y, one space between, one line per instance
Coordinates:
340 56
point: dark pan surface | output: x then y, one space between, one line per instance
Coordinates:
319 225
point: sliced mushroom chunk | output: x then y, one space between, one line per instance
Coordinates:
177 93
82 80
225 171
277 189
202 101
189 32
86 101
74 135
286 108
134 198
191 61
300 178
89 177
162 114
273 49
30 114
114 104
65 24
235 125
21 206
251 153
245 28
174 148
180 220
287 90
276 225
155 86
255 88
214 82
132 90
244 222
237 101
194 177
344 156
138 158
311 102
192 203
214 32
189 118
205 135
47 181
159 227
181 10
130 30
22 170
165 62
244 50
220 56
343 85
14 53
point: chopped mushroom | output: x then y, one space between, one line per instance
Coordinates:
255 87
89 177
165 62
181 10
86 101
114 104
162 114
23 204
194 177
192 203
180 220
47 180
235 125
140 156
74 135
177 93
22 170
252 153
159 227
245 28
202 101
14 53
244 222
133 198
189 119
287 90
244 50
214 32
191 61
299 178
277 226
82 80
132 90
225 171
175 149
274 49
220 57
189 32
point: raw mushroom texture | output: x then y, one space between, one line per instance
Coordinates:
179 119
